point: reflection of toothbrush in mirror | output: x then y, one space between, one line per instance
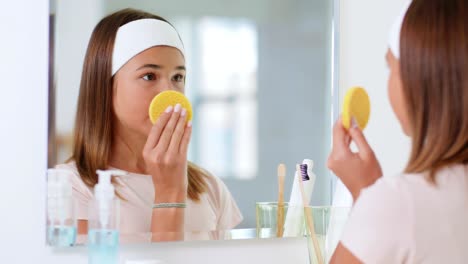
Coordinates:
280 213
294 217
309 217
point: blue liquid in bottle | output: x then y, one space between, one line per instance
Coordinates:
103 245
61 236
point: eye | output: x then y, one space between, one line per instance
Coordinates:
149 77
179 78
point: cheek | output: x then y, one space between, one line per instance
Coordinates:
395 94
131 104
392 92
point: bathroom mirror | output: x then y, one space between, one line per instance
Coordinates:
260 76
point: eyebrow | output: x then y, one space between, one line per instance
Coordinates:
157 67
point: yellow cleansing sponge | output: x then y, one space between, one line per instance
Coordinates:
163 100
356 104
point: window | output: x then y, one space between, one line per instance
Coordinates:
222 85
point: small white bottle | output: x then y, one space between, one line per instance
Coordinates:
61 223
103 220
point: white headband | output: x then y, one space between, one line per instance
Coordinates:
394 38
139 35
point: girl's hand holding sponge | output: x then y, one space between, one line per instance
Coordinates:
166 147
166 99
356 170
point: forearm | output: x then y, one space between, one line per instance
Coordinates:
167 224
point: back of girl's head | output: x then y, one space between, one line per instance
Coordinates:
434 74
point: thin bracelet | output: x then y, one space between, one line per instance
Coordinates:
169 205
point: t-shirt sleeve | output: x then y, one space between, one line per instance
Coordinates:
81 193
228 214
378 228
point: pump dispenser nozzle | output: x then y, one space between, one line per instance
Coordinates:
104 194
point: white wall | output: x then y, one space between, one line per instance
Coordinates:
363 43
23 137
364 33
74 36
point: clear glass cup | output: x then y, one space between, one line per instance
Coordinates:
328 224
267 220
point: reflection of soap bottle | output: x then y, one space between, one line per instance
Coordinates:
103 222
61 224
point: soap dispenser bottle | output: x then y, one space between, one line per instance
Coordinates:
103 221
61 223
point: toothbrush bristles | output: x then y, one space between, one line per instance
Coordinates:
304 175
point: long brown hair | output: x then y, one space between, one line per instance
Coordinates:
93 135
434 73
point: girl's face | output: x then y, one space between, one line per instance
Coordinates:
395 92
152 71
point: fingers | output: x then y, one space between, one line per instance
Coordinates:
157 129
341 139
184 143
363 146
348 140
178 133
166 135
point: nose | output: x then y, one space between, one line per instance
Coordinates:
165 84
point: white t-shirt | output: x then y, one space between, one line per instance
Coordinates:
216 210
406 219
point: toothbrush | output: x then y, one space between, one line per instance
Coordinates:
295 215
309 218
280 215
